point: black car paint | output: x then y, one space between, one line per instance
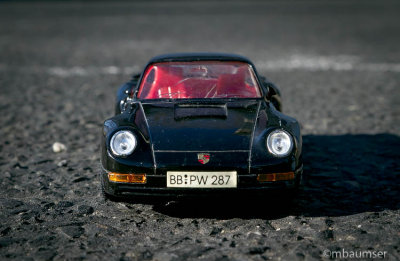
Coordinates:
170 133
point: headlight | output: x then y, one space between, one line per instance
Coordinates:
279 143
123 143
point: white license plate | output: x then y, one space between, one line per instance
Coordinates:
201 179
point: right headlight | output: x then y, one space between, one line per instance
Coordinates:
279 143
123 143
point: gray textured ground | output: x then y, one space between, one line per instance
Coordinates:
337 63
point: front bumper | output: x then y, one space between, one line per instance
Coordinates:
156 185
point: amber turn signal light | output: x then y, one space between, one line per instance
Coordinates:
128 178
275 176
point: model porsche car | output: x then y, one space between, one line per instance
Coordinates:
199 123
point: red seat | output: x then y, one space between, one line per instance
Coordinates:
234 85
166 84
231 84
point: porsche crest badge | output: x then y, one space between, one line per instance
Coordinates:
203 158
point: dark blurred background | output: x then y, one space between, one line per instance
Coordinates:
346 49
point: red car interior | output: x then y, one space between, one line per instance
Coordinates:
196 80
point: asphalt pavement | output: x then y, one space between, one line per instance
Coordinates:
336 62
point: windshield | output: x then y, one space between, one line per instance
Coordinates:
196 80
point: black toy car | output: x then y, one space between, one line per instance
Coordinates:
199 123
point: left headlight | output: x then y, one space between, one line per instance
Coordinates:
123 143
280 143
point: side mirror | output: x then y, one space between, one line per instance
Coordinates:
273 95
122 97
270 92
123 93
270 89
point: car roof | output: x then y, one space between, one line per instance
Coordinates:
199 56
189 57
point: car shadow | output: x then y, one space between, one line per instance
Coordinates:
343 175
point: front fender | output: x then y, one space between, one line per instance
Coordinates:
261 160
141 160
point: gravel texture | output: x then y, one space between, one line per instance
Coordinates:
338 66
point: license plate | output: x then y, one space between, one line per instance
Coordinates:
198 179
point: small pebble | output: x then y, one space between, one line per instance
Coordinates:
59 147
62 163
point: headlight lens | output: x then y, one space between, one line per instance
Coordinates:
123 143
279 143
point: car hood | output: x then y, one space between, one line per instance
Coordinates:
201 127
